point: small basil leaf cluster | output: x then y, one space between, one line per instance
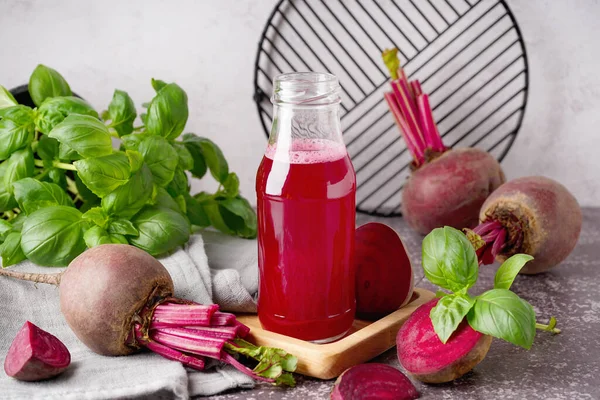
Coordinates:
450 261
64 188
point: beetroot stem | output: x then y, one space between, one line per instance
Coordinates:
207 333
415 150
209 347
169 353
229 359
50 279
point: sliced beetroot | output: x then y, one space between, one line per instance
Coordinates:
36 355
538 216
373 381
450 190
426 358
384 275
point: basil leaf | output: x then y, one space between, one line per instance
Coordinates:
84 192
239 216
161 158
132 142
6 98
179 185
186 162
449 313
121 111
232 185
7 200
47 149
199 168
136 160
67 153
86 135
32 194
53 236
97 216
195 212
125 201
11 250
157 84
122 227
449 259
212 155
96 236
163 199
502 314
102 175
509 269
5 227
20 165
17 129
160 230
54 110
168 112
46 82
58 177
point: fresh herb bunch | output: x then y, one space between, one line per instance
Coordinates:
450 261
63 187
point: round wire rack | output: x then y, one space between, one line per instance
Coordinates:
468 54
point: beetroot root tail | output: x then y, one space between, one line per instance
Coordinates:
50 279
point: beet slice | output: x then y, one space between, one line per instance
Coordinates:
384 275
373 381
35 355
426 358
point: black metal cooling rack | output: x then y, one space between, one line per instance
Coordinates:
468 55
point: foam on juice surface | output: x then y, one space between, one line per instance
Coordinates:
307 151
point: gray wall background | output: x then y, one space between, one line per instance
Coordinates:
208 47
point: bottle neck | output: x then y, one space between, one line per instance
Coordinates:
296 124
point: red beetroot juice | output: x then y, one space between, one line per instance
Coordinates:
306 223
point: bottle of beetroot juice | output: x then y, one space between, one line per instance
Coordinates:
306 189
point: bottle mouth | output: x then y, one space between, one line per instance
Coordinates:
306 88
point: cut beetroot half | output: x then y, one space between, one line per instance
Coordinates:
373 381
35 355
425 357
384 274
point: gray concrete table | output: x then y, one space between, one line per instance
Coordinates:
564 366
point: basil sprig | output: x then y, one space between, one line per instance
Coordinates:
449 261
64 187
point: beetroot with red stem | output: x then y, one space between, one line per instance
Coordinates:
373 381
384 275
533 215
117 299
447 187
424 356
36 355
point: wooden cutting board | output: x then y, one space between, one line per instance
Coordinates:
366 340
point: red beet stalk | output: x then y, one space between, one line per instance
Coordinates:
412 112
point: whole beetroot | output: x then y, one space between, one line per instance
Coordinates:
106 330
534 215
447 187
450 190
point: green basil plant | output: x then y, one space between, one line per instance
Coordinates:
64 187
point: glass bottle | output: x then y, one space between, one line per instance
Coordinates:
306 189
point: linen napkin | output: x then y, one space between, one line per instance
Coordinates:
225 273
